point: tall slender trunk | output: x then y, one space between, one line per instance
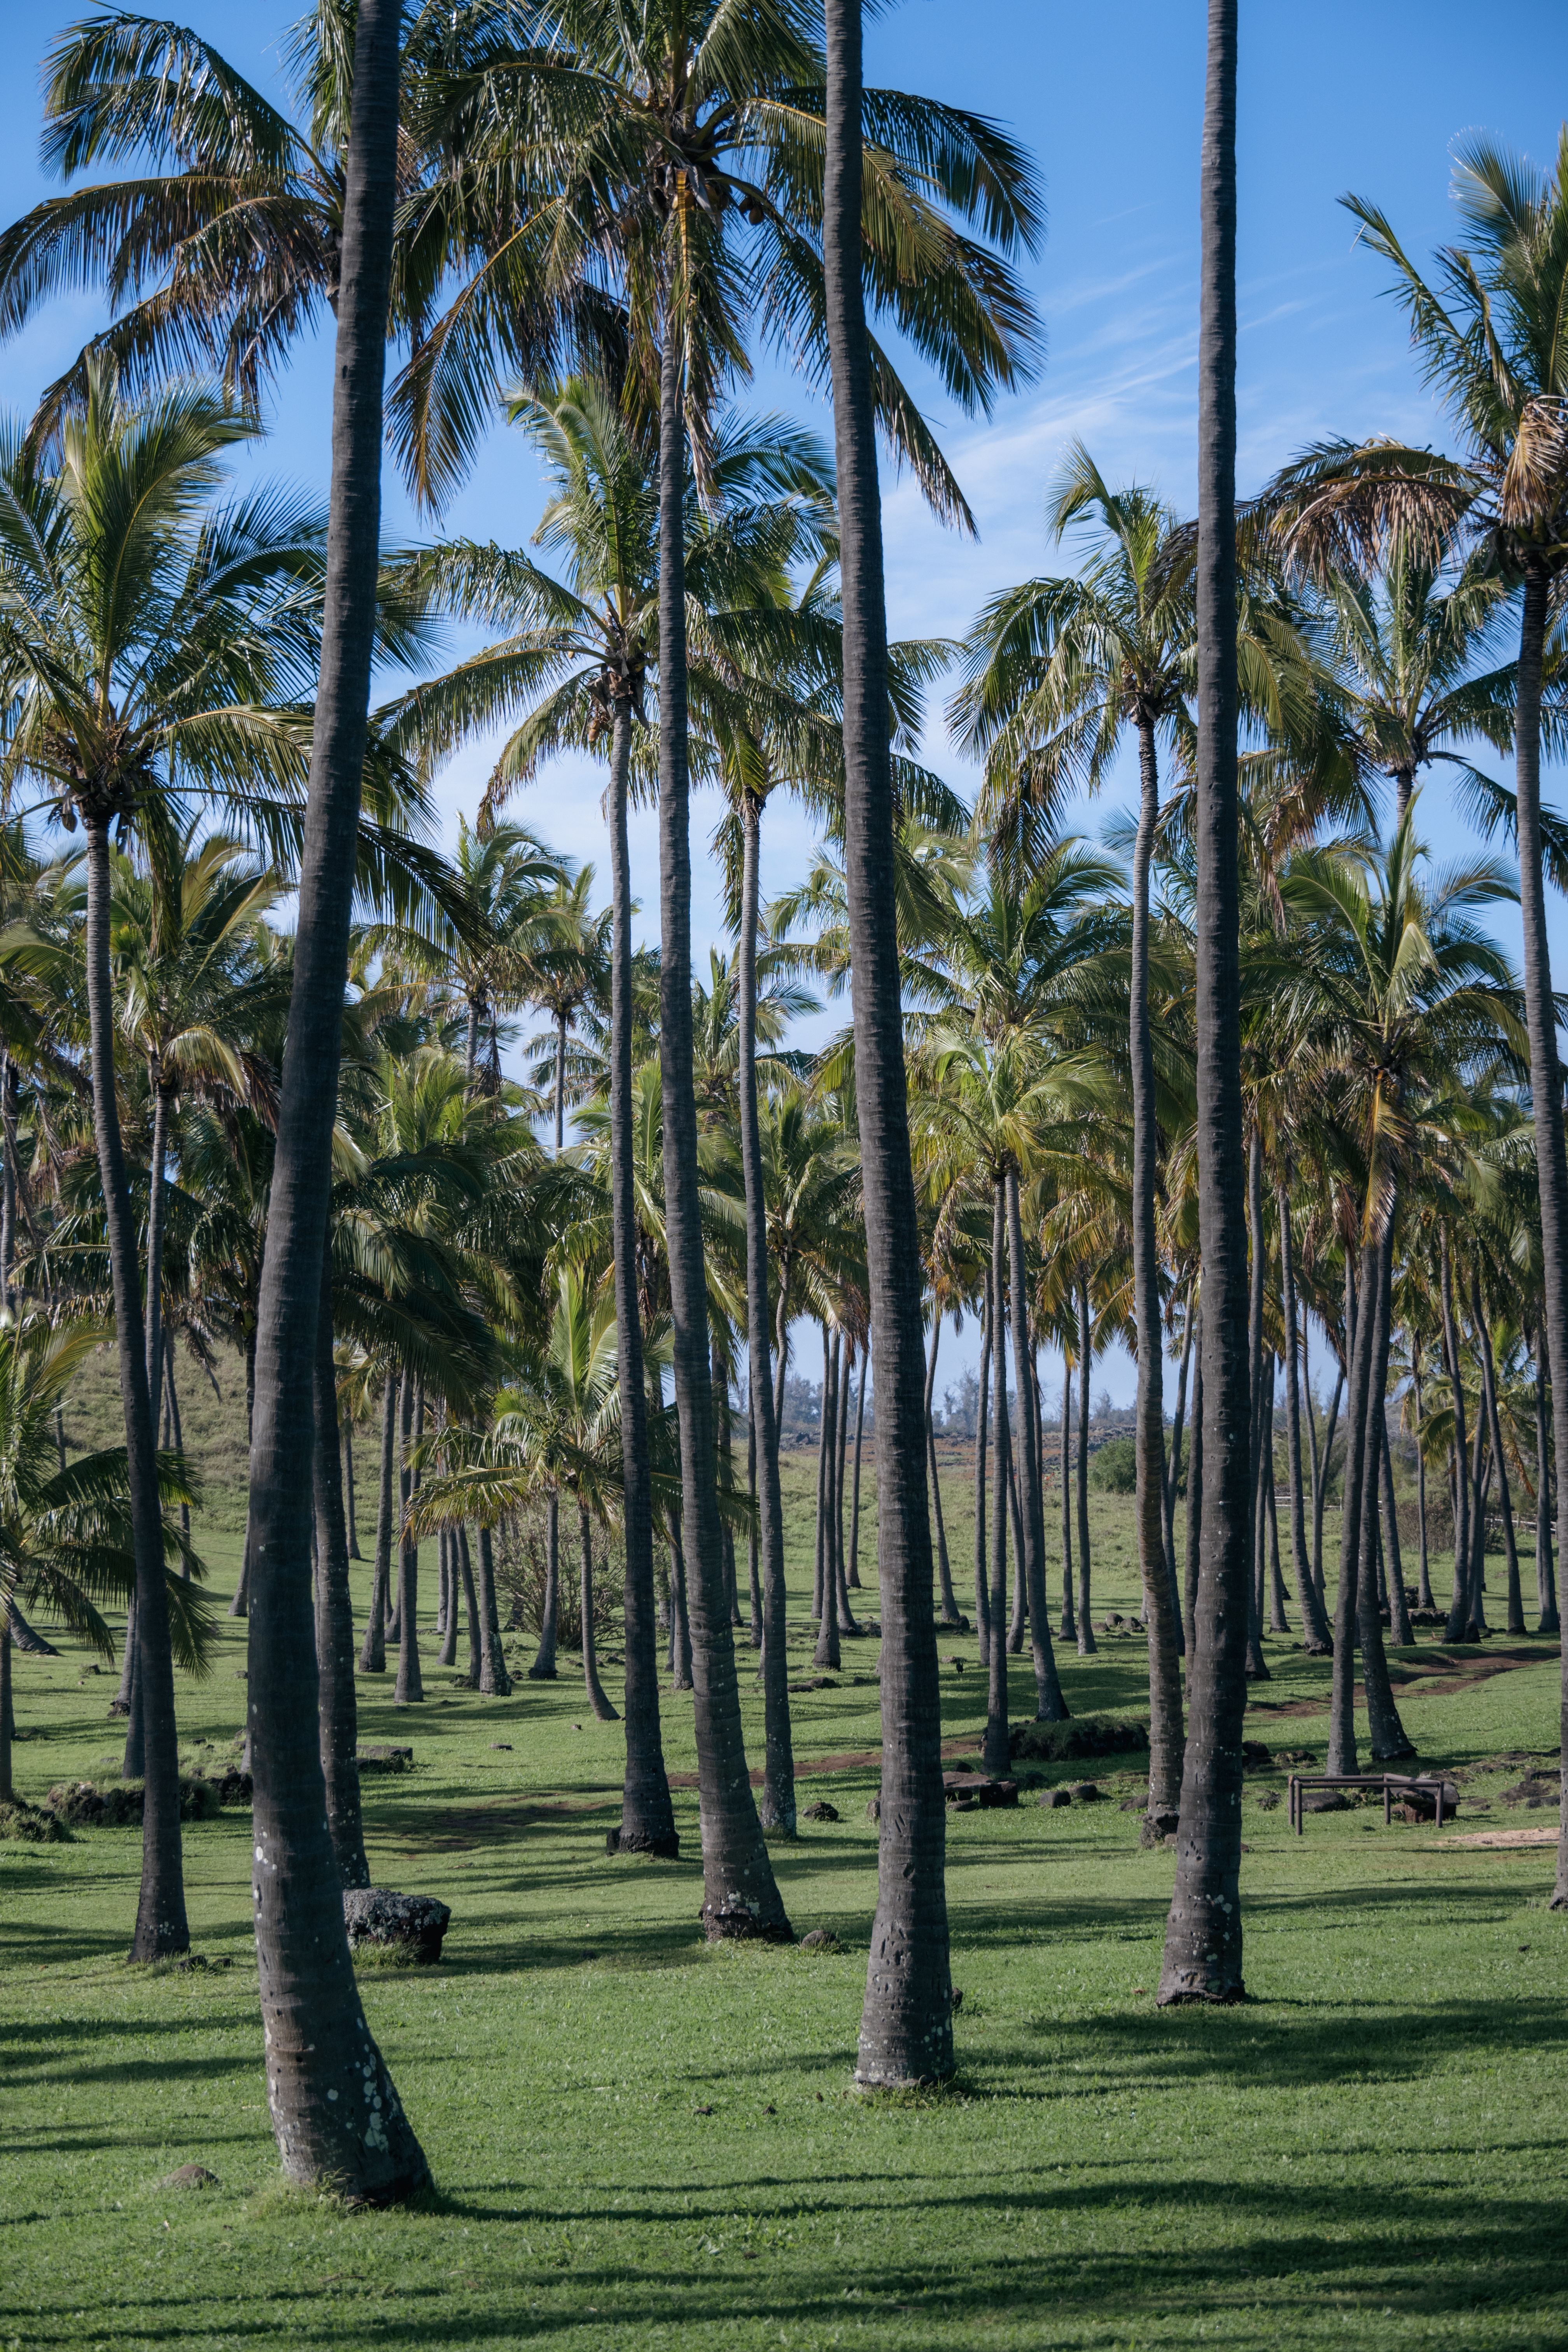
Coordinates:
720 1376
240 1604
560 1083
1195 1517
495 1682
1016 1519
855 1497
647 1815
1459 1607
1279 1623
679 1623
1545 1583
1050 1706
161 1925
1086 1645
951 1614
753 1544
373 1654
470 1608
906 2028
8 1177
1070 1615
840 1464
349 1496
1389 1742
827 1652
1173 1473
543 1670
410 1687
1314 1623
981 1424
157 1203
1257 1665
1423 1578
740 1896
1202 1958
177 1436
446 1555
7 1791
1321 1481
1165 1741
334 1611
334 2109
1516 1624
1400 1632
995 1753
1341 1757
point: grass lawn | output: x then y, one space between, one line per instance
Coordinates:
640 2141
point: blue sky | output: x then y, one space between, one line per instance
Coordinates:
1333 95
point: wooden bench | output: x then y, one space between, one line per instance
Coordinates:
1393 1784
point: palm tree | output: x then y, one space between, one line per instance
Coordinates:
112 704
1203 1935
67 1542
335 2110
565 965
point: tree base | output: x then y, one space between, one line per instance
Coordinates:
541 1674
625 1841
735 1922
1183 1995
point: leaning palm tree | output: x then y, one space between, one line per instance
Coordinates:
111 704
67 1542
335 2111
1202 1935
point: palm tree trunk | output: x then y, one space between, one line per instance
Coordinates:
1401 1633
7 1790
470 1608
720 1377
855 1498
157 1199
495 1682
373 1654
1389 1742
981 1417
994 1751
1278 1621
543 1667
595 1688
1069 1615
679 1623
410 1685
349 1496
1050 1706
334 1611
906 2028
161 1925
1341 1757
826 1653
334 2107
560 1083
1257 1665
1516 1624
1016 1520
446 1553
1086 1645
1173 1478
1321 1481
753 1542
176 1434
740 1896
1203 1959
840 1463
7 1178
1314 1623
1459 1607
1195 1515
1545 1583
239 1606
1165 1740
1423 1579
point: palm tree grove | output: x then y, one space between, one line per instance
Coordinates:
783 1184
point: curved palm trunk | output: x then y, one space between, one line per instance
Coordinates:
1050 1706
335 2109
410 1687
590 1683
161 1925
906 2027
373 1654
543 1667
995 1753
647 1815
495 1682
739 1895
1315 1624
334 1611
1086 1645
1165 1741
1203 1956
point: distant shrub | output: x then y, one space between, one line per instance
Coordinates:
1088 1734
83 1805
25 1825
1114 1469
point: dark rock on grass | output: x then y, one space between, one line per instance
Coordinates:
1158 1828
1256 1756
821 1939
1536 1789
500 1747
874 1810
25 1825
192 2176
417 1923
384 1759
1268 1801
1304 1756
1053 1797
81 1804
1087 1793
966 1792
821 1812
1324 1801
1086 1734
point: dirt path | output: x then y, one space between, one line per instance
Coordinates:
1440 1679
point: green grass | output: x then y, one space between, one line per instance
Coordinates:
1369 2154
